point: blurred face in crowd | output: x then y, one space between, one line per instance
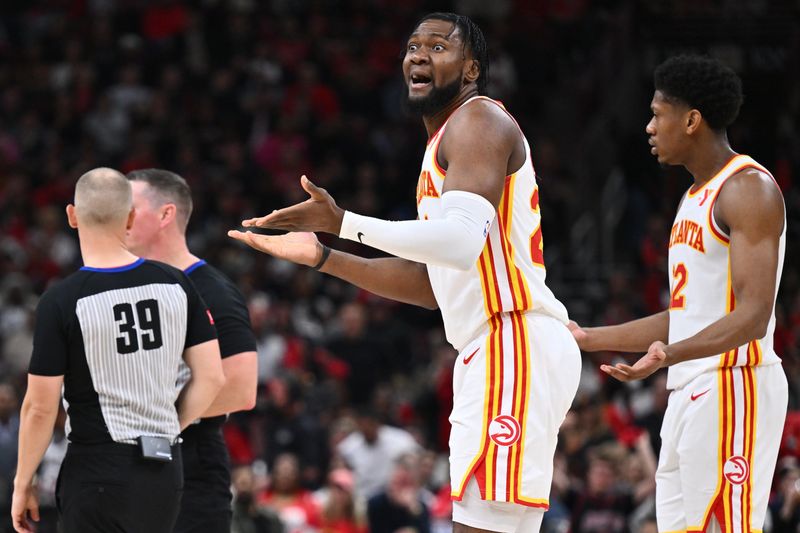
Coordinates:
403 480
369 426
601 477
668 129
353 319
434 66
286 473
148 220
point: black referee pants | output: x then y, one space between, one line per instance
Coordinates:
206 503
110 488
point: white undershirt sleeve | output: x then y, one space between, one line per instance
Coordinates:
455 240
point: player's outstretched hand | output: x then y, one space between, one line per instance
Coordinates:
24 507
649 363
318 213
301 248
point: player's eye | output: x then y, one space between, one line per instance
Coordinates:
412 48
438 48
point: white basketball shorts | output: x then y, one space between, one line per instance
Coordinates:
720 440
512 388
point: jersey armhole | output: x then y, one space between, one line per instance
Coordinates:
716 230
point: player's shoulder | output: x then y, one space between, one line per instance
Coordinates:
479 120
753 177
752 186
482 112
751 197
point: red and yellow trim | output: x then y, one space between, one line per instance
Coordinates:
695 191
724 505
485 473
742 164
749 383
435 156
728 359
492 300
493 339
521 294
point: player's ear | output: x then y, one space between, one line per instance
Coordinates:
693 119
72 218
131 218
472 70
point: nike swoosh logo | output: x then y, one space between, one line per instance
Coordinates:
696 396
468 358
359 235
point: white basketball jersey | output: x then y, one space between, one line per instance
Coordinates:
700 279
509 275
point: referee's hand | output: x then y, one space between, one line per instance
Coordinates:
24 504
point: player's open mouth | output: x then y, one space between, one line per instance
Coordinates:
419 81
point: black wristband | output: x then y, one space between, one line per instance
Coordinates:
326 251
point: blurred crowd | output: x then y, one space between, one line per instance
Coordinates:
242 97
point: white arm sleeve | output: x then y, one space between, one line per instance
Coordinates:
454 241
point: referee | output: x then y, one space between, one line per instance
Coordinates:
113 334
163 205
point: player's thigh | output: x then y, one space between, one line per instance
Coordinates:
700 438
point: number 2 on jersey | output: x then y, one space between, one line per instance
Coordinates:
147 334
679 278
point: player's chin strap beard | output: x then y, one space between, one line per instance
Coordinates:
437 99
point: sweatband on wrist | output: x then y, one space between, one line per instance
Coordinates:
455 241
326 251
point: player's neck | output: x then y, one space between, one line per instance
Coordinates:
173 251
435 121
708 160
101 249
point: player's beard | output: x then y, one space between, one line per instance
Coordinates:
436 100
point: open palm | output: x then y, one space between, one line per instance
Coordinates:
302 248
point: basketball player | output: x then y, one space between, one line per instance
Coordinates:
475 251
163 205
725 414
112 335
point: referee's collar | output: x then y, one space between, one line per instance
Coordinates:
194 266
123 268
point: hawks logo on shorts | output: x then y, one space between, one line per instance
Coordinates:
736 470
504 430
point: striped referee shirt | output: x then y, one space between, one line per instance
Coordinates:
117 335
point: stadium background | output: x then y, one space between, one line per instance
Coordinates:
241 97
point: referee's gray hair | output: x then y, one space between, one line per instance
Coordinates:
167 187
102 196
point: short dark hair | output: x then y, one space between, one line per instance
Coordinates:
472 36
703 83
169 187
